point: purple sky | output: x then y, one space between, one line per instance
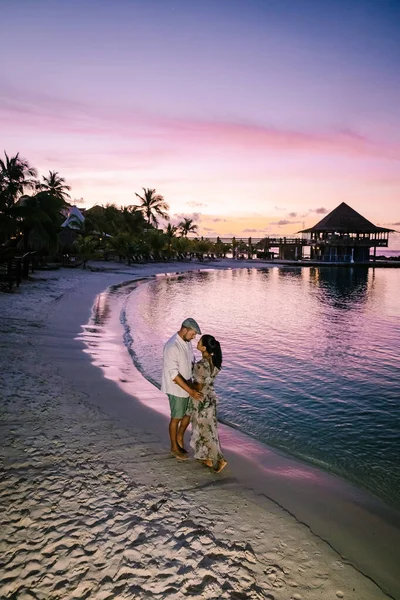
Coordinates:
250 116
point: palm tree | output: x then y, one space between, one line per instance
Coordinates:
111 213
170 235
202 247
182 246
153 205
133 219
16 175
221 249
122 244
85 247
55 185
39 218
170 232
187 226
156 241
241 248
8 225
3 188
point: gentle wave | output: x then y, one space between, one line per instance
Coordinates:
310 359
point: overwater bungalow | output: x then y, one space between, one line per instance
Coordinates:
345 236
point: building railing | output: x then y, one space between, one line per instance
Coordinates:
349 241
271 242
263 242
285 241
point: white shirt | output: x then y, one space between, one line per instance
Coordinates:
177 358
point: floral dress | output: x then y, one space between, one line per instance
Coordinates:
205 440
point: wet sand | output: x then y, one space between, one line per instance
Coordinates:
92 504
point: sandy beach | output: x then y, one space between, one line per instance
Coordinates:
93 506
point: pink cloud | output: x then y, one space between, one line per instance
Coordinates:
154 133
259 138
196 204
284 222
195 216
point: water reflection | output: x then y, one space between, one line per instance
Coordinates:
306 354
101 309
290 272
100 314
342 288
264 274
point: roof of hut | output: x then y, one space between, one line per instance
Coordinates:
75 218
345 219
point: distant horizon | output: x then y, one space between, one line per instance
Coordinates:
252 119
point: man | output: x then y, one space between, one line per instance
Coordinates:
176 383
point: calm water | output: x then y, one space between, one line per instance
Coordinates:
311 359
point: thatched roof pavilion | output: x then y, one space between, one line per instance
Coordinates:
345 235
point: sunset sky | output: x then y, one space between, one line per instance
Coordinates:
250 116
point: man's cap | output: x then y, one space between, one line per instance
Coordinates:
191 324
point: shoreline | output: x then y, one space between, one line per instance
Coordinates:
263 538
264 471
126 335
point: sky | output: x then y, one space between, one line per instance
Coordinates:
252 117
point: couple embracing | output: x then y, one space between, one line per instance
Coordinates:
189 386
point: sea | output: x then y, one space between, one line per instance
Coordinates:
310 359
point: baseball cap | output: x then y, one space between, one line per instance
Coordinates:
191 324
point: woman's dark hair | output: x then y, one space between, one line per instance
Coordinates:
213 348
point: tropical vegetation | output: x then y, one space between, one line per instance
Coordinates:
152 206
187 226
33 212
54 185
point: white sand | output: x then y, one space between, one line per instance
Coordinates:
92 506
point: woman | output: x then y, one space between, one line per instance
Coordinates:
204 440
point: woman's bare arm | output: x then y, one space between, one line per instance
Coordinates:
197 385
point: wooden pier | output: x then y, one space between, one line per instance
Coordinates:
289 248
